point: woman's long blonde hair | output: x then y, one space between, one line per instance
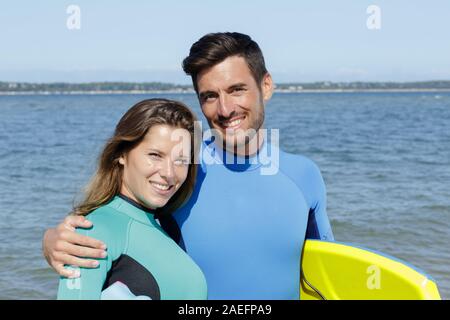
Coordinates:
130 131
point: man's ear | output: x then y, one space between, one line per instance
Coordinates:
267 87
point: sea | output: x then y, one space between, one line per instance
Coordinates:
384 156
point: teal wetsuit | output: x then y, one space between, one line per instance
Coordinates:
140 255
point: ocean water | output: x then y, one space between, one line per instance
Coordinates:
385 158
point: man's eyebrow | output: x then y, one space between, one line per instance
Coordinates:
237 85
204 93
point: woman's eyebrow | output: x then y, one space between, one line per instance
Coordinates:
155 150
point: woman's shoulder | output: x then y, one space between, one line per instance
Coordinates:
107 224
107 213
107 221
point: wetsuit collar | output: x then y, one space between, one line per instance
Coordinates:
134 210
235 162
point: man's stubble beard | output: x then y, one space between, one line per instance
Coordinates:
249 135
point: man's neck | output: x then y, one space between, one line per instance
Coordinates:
250 149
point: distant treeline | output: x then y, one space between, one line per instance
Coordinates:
91 86
60 87
325 85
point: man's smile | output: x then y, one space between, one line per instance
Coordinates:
233 123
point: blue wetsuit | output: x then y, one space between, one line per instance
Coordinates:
245 229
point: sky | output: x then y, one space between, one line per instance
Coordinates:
302 41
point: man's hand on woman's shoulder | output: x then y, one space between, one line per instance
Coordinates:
64 246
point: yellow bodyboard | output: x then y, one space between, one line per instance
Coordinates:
337 271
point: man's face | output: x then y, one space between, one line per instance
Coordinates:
232 101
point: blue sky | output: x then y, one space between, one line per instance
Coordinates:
146 40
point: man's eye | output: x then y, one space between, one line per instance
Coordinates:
208 98
238 90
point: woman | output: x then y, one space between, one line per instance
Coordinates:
146 168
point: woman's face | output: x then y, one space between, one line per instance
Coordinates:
156 168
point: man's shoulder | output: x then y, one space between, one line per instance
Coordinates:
305 173
297 165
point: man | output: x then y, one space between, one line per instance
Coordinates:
244 226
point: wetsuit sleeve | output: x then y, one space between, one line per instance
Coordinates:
89 285
318 223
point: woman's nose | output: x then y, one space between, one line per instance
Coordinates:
167 171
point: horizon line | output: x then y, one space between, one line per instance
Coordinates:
180 84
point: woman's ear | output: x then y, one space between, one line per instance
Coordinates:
122 160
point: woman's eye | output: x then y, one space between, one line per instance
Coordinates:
182 162
154 155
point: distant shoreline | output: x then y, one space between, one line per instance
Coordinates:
105 88
137 92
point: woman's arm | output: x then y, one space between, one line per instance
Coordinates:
90 282
86 287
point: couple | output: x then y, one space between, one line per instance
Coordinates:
239 233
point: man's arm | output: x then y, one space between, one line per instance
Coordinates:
319 226
306 175
63 246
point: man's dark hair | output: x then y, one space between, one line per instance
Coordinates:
214 48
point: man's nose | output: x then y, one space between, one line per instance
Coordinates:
226 106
